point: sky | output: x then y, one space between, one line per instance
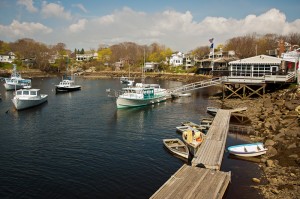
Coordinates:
181 25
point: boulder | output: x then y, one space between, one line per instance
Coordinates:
292 104
256 180
292 146
269 163
269 142
293 132
268 103
279 103
271 151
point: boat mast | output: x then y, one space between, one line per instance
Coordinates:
143 67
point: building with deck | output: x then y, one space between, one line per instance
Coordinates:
251 75
217 61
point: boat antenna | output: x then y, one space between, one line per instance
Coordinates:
143 67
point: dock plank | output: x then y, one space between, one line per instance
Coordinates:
210 153
194 182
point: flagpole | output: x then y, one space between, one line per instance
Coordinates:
213 60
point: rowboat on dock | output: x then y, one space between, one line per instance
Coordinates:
206 122
181 129
212 110
201 127
193 140
191 124
248 150
177 147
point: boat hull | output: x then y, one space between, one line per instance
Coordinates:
130 102
192 140
67 89
21 103
10 87
248 150
177 147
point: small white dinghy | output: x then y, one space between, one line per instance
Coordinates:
181 129
248 150
177 147
212 110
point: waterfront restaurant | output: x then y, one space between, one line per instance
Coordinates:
257 66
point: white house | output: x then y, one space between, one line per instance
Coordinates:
151 66
177 59
9 58
86 57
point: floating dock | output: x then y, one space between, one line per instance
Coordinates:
210 153
203 179
194 183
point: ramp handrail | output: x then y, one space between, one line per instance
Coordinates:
197 85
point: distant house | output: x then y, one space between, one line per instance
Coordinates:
121 63
9 58
188 61
176 59
291 60
86 56
151 66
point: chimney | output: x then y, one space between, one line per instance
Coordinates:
281 47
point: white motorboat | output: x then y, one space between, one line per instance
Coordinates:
183 94
177 147
193 140
248 150
26 98
127 81
68 82
141 95
67 85
15 81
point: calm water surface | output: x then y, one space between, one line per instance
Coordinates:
78 145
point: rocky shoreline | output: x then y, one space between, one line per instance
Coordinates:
276 122
181 77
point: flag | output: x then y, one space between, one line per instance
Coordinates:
211 43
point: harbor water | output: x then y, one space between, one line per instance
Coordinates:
79 145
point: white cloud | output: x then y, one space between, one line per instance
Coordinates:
176 30
81 7
78 26
54 10
28 4
25 29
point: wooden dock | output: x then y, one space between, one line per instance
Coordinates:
194 182
203 179
210 153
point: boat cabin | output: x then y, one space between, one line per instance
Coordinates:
66 83
28 92
18 81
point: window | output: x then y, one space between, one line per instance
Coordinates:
32 92
25 92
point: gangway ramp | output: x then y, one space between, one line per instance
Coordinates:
197 85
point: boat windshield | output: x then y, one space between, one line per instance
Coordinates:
32 92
